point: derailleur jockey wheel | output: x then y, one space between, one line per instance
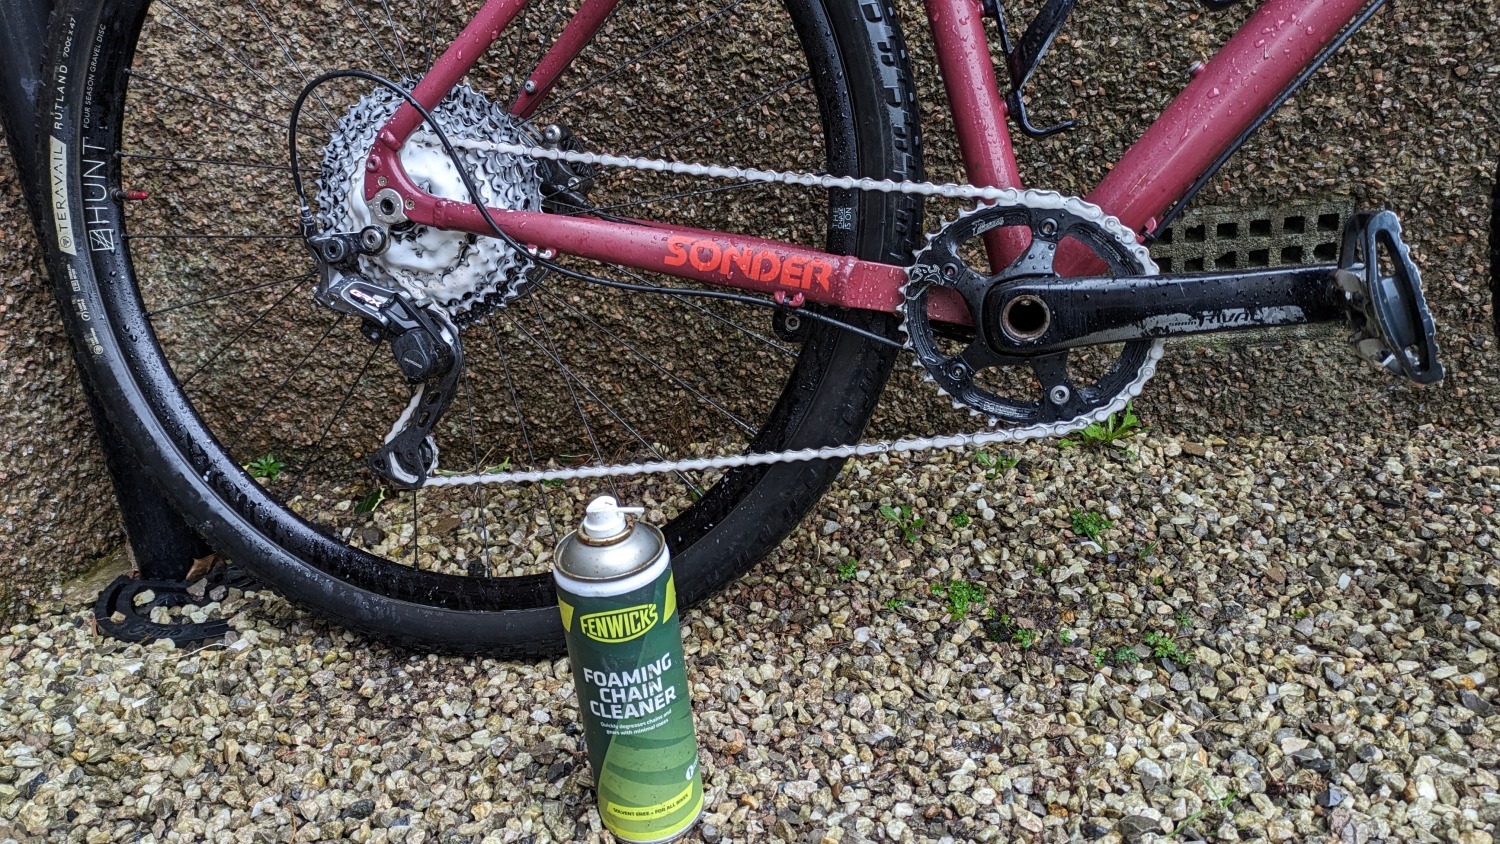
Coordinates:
1050 223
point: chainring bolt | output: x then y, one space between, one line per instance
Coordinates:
1059 395
1049 228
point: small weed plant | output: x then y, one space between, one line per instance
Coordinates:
894 604
903 519
1024 638
1090 525
847 569
961 597
1144 551
371 501
1219 805
1065 637
995 464
265 468
960 520
1117 427
1165 647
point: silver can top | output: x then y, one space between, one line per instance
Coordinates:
607 546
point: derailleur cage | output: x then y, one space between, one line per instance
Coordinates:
423 340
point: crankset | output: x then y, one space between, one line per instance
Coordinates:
1375 286
1028 316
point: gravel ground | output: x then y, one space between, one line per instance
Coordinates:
1272 638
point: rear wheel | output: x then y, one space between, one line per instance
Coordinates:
256 408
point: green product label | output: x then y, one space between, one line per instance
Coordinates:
638 721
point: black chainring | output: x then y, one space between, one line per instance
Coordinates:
940 266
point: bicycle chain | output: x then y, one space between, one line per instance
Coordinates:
904 445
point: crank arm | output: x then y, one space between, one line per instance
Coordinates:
1041 316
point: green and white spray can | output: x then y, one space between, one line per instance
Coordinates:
619 613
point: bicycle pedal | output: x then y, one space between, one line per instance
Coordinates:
1382 287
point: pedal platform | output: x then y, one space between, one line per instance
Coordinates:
1392 324
118 615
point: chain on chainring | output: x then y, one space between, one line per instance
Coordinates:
1066 399
1115 402
465 275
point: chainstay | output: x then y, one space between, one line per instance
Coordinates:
839 452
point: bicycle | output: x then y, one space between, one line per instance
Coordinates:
451 244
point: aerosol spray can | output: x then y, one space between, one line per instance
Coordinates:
619 611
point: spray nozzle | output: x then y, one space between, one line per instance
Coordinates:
605 518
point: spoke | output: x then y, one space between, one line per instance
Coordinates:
480 504
550 351
317 447
217 162
756 336
236 338
429 27
416 531
543 43
290 100
515 401
239 292
396 36
732 109
276 393
746 427
644 54
287 54
690 302
280 124
390 60
573 394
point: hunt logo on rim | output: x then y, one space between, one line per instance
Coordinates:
619 625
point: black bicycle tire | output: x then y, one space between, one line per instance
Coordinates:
116 348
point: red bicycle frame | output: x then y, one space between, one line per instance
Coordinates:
1223 99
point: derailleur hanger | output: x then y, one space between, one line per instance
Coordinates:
342 249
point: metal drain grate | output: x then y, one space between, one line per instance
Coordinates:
1238 239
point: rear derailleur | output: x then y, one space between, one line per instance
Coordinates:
423 341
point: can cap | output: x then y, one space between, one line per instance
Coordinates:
605 518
